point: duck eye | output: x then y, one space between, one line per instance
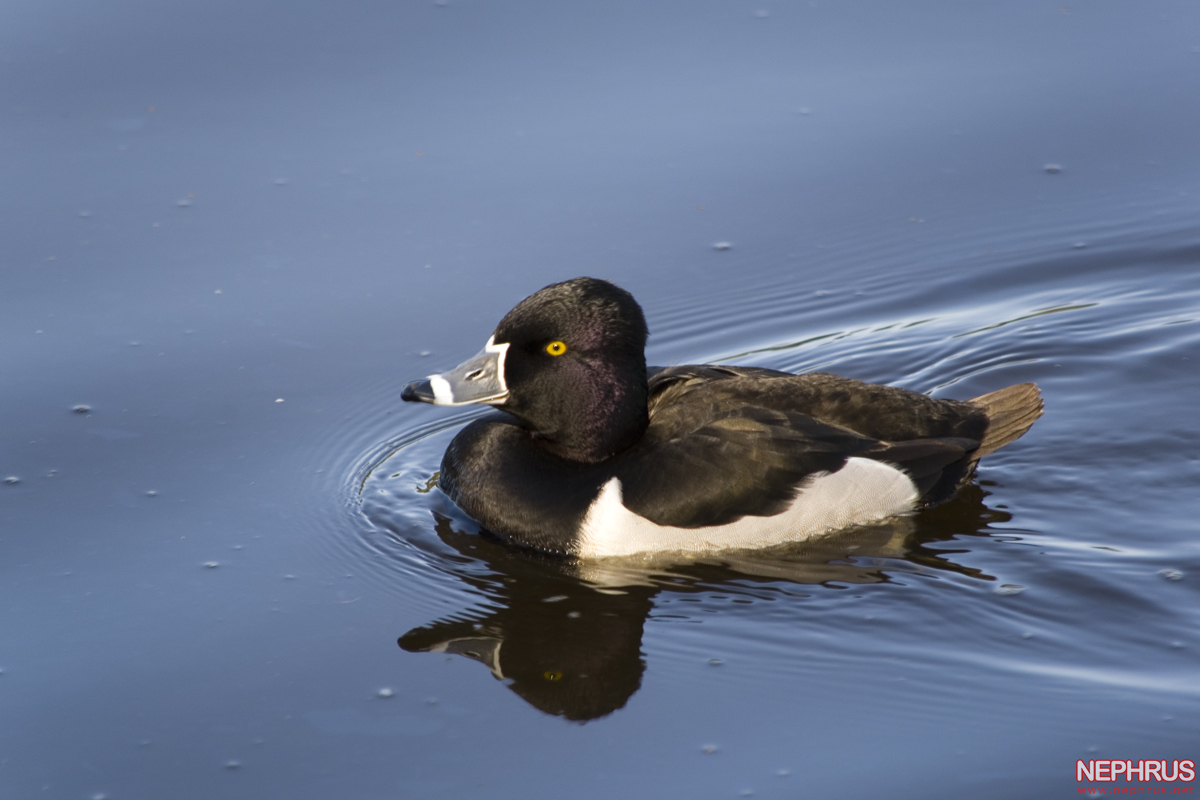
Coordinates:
556 348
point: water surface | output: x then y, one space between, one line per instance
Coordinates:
234 233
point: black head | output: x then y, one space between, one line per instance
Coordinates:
568 362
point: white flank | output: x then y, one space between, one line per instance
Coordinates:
860 492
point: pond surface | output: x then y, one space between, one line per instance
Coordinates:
232 233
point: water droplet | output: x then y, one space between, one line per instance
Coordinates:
431 701
385 693
183 202
1177 644
151 493
281 181
100 796
573 615
211 564
1079 245
782 773
233 764
424 353
1053 169
1171 574
278 399
82 409
746 793
289 577
85 214
804 110
12 480
715 662
554 598
722 245
709 749
1009 589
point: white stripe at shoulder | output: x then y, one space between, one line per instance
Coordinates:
860 492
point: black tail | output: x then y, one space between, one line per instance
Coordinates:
1010 412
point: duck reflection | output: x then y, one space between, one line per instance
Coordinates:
566 636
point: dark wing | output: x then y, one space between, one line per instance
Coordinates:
887 413
709 459
726 442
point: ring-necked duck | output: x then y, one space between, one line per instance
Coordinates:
596 457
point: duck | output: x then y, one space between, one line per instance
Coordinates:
590 454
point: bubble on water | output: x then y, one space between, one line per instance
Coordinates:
386 692
1009 589
1171 574
1052 169
424 354
278 399
85 214
100 796
211 564
12 480
1079 245
573 615
722 245
82 408
151 493
233 764
782 773
715 662
183 202
289 577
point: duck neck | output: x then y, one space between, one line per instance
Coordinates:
603 417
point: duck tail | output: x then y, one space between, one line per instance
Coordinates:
1010 411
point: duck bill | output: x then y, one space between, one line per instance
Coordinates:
477 380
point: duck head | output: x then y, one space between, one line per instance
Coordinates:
568 362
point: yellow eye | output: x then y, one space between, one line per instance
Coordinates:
552 675
556 348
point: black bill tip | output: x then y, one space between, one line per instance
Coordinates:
418 392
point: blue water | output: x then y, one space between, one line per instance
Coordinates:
234 233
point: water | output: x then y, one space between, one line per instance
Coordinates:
292 210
